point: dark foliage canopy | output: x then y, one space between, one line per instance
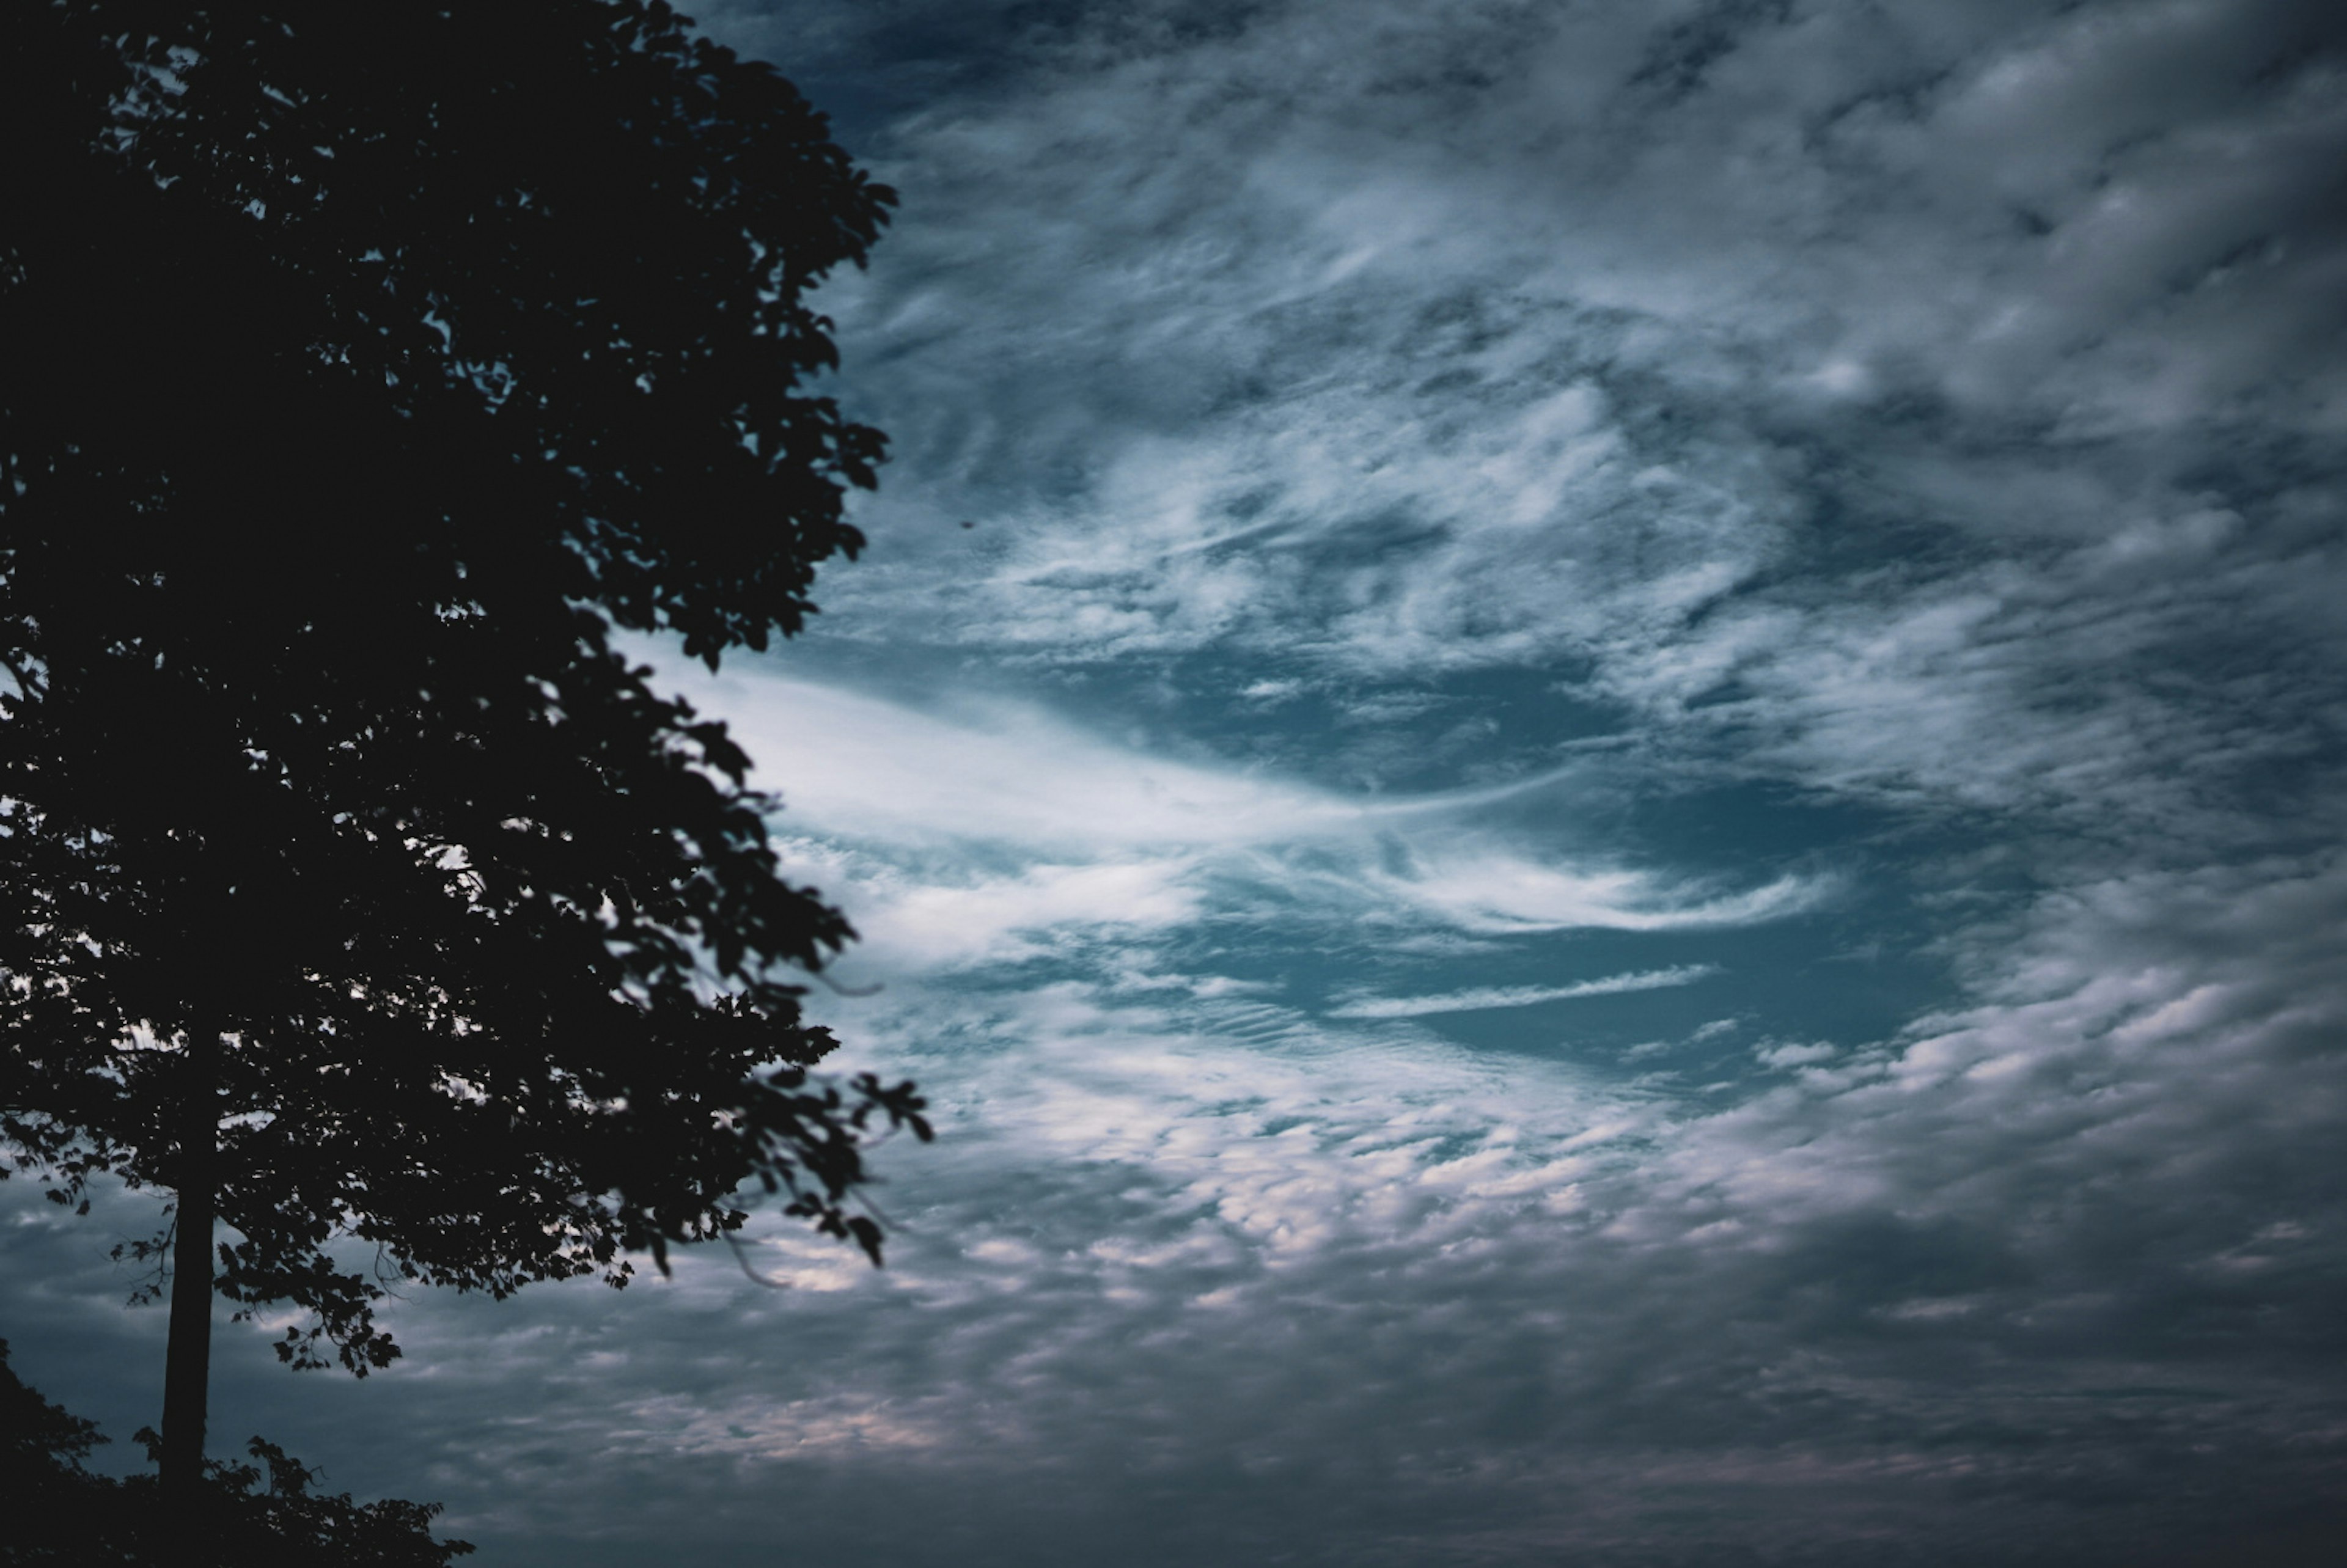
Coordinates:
368 369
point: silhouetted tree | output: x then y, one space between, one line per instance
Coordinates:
363 367
62 1514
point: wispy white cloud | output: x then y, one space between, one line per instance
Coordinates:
964 839
1487 997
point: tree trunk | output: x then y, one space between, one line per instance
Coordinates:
188 1363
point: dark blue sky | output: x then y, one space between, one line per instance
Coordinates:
1618 843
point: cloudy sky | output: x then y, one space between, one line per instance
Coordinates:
1596 749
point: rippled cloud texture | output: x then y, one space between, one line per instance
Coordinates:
1596 749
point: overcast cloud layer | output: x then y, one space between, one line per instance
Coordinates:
1597 751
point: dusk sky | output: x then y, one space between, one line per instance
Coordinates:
1596 753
